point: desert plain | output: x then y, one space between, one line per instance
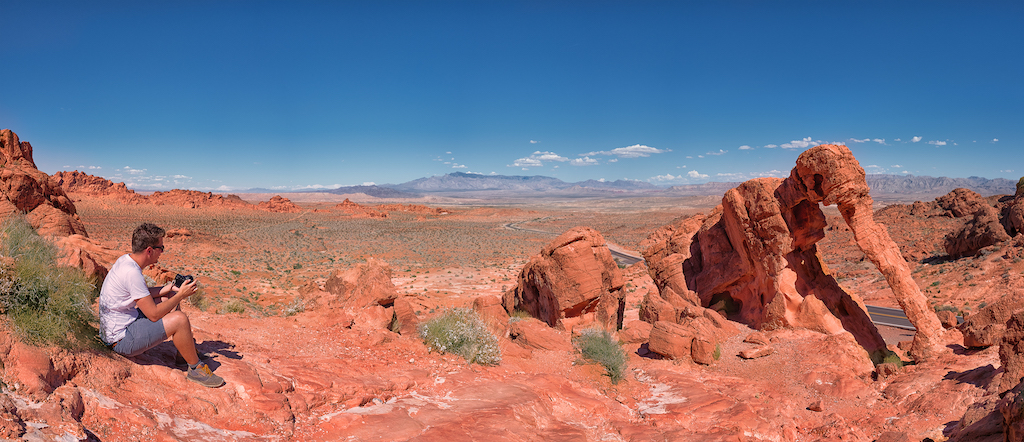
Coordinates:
300 364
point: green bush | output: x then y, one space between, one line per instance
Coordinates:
47 303
599 346
461 331
233 305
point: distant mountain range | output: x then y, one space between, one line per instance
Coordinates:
462 183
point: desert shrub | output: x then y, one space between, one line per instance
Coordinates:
298 305
519 315
461 331
948 307
47 303
599 346
199 300
233 305
718 352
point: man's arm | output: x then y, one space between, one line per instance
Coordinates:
155 311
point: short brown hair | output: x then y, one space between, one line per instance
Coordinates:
146 235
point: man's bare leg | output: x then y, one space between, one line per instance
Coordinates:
179 329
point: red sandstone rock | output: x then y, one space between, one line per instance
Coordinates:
985 327
961 202
1014 215
81 252
356 210
279 204
982 231
194 199
413 208
25 189
493 314
534 334
364 285
702 351
755 256
406 320
1011 352
758 352
82 184
572 276
947 318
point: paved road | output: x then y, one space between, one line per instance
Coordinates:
891 317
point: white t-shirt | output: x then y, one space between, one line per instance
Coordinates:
123 286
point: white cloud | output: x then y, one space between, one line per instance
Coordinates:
458 166
526 162
879 140
896 166
731 176
665 177
368 183
1006 171
937 143
548 156
634 151
996 140
915 139
745 147
447 153
800 144
695 175
720 152
770 146
874 168
136 171
537 159
860 141
700 156
613 160
896 139
585 161
534 141
181 177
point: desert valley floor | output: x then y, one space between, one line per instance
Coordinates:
298 369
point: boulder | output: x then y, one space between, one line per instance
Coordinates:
985 327
1013 218
961 202
702 351
366 284
671 340
572 276
982 231
493 314
1011 352
535 334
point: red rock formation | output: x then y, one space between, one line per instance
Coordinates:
1011 352
754 257
356 210
962 202
366 284
82 184
982 231
574 276
25 189
81 252
279 204
1013 220
194 199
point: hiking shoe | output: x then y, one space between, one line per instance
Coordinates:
202 375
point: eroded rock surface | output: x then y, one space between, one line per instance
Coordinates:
25 189
574 278
754 257
279 204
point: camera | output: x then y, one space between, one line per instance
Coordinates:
181 279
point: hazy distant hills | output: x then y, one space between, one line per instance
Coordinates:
497 185
909 184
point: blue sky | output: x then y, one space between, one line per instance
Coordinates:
228 95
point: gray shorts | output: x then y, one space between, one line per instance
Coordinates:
141 335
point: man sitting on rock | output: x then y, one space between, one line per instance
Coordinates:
135 318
